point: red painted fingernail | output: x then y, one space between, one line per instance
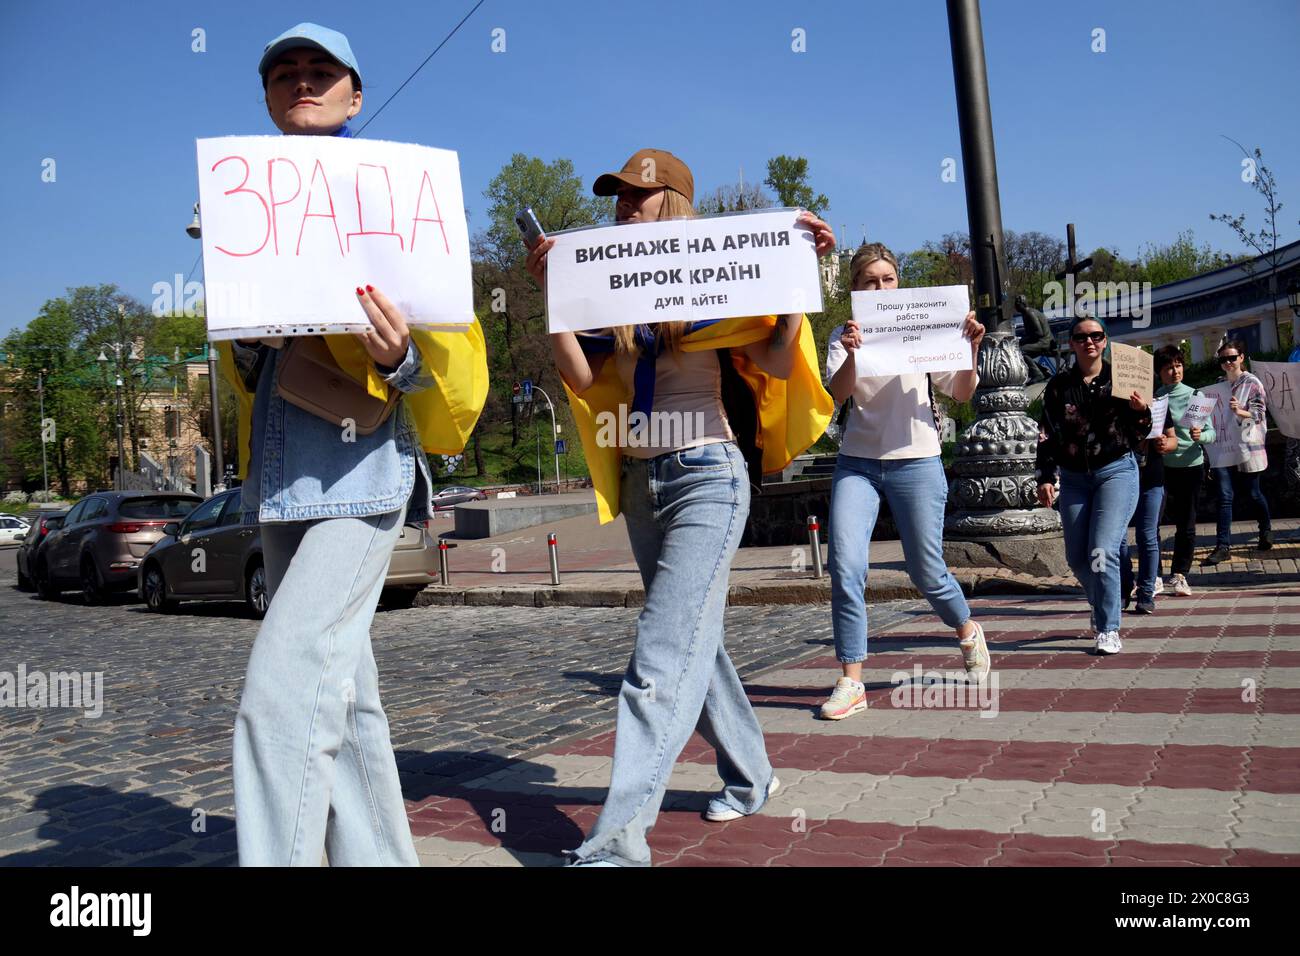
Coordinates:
370 288
359 291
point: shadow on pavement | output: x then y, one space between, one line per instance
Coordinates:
524 823
92 825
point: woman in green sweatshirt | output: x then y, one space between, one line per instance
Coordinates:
1183 465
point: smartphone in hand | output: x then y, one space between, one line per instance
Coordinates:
529 227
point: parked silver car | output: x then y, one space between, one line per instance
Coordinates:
454 495
102 540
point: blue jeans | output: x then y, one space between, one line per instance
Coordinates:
313 763
1225 477
1095 510
685 512
1147 525
916 490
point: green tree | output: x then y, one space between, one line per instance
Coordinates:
736 197
61 348
1264 242
787 176
1180 259
509 304
553 191
49 357
924 267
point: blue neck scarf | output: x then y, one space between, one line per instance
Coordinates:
344 132
650 346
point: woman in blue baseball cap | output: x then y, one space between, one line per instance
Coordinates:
314 769
302 73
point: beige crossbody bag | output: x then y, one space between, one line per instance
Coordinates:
310 379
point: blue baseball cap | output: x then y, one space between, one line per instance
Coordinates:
309 35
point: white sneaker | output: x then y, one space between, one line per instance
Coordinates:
1160 586
1180 585
848 698
975 655
719 812
1108 642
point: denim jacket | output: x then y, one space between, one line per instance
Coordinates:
300 467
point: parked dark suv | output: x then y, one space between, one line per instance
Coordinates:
42 524
102 540
213 556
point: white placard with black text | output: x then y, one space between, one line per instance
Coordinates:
682 270
912 330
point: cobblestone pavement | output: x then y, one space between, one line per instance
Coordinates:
467 690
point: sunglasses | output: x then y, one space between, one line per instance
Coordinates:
1082 337
1229 359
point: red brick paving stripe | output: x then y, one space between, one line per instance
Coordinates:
1072 630
1127 700
1175 766
1071 660
1006 609
682 838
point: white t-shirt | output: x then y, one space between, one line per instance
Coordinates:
890 415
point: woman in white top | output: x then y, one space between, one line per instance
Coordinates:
890 449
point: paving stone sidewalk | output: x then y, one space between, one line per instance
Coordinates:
1184 749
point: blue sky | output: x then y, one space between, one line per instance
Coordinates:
1126 143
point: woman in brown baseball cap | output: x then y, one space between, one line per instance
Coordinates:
720 403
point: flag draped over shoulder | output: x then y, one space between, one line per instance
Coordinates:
445 414
792 413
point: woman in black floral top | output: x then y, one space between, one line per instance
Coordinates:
1091 436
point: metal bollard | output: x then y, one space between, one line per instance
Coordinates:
443 572
555 557
815 543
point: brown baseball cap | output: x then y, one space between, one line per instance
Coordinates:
647 169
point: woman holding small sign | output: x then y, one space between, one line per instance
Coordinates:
331 433
1091 436
1141 591
1247 408
1184 464
890 450
685 500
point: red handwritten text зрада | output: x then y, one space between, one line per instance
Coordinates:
318 192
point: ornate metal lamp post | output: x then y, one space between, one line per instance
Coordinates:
993 493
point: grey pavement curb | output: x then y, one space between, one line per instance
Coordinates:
790 592
785 593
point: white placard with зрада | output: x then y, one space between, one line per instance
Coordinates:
293 225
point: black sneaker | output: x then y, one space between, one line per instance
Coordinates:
1217 556
1265 540
1145 607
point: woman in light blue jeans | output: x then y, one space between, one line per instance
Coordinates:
1089 434
685 501
890 450
1096 507
314 768
685 513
